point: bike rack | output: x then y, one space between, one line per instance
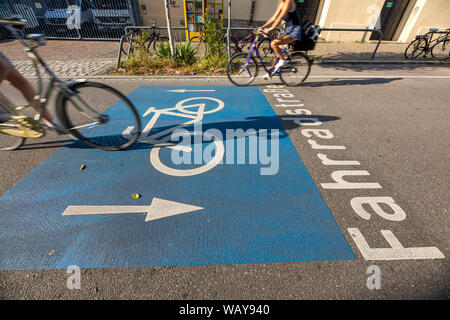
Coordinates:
119 54
380 33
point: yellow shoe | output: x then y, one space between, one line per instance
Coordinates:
22 126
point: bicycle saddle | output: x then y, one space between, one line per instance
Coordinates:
38 37
434 29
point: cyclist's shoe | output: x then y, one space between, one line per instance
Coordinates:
267 76
22 126
279 65
4 116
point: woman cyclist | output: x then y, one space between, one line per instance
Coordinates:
288 11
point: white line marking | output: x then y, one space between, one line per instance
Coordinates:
184 90
157 210
380 77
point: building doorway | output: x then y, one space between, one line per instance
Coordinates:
390 16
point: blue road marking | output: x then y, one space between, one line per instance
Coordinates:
244 217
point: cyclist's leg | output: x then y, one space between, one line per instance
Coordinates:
9 72
277 46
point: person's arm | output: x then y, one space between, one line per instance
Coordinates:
274 17
283 9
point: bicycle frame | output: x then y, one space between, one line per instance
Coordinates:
428 37
254 47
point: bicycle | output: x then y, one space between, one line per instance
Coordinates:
242 68
236 45
130 40
92 112
439 47
154 38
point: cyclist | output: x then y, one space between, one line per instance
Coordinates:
288 11
9 72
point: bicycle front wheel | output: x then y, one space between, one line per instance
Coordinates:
242 69
159 41
415 48
441 50
9 142
297 69
100 116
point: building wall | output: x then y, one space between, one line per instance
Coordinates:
331 14
421 16
155 11
358 14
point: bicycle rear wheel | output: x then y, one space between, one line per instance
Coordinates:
297 69
129 45
242 69
100 116
8 142
441 50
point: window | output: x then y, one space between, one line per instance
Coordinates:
110 5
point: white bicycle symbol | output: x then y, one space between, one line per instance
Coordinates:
192 110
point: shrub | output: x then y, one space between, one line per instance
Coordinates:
214 37
184 53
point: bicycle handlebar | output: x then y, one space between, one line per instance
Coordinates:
14 21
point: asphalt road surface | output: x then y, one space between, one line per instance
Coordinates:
375 142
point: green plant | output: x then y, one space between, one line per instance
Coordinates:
214 38
184 53
163 50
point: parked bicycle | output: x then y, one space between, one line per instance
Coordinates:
132 40
236 44
243 68
424 44
94 113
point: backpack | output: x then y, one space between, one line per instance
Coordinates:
310 35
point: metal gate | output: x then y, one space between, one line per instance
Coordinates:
75 19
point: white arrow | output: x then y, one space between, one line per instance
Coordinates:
157 210
185 90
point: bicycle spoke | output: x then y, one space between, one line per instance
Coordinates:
112 125
236 66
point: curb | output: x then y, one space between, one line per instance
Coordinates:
98 76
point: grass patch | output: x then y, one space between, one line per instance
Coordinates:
139 66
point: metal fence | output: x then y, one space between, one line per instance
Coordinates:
75 19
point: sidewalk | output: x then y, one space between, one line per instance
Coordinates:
67 58
88 58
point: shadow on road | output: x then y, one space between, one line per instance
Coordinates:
256 123
346 82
